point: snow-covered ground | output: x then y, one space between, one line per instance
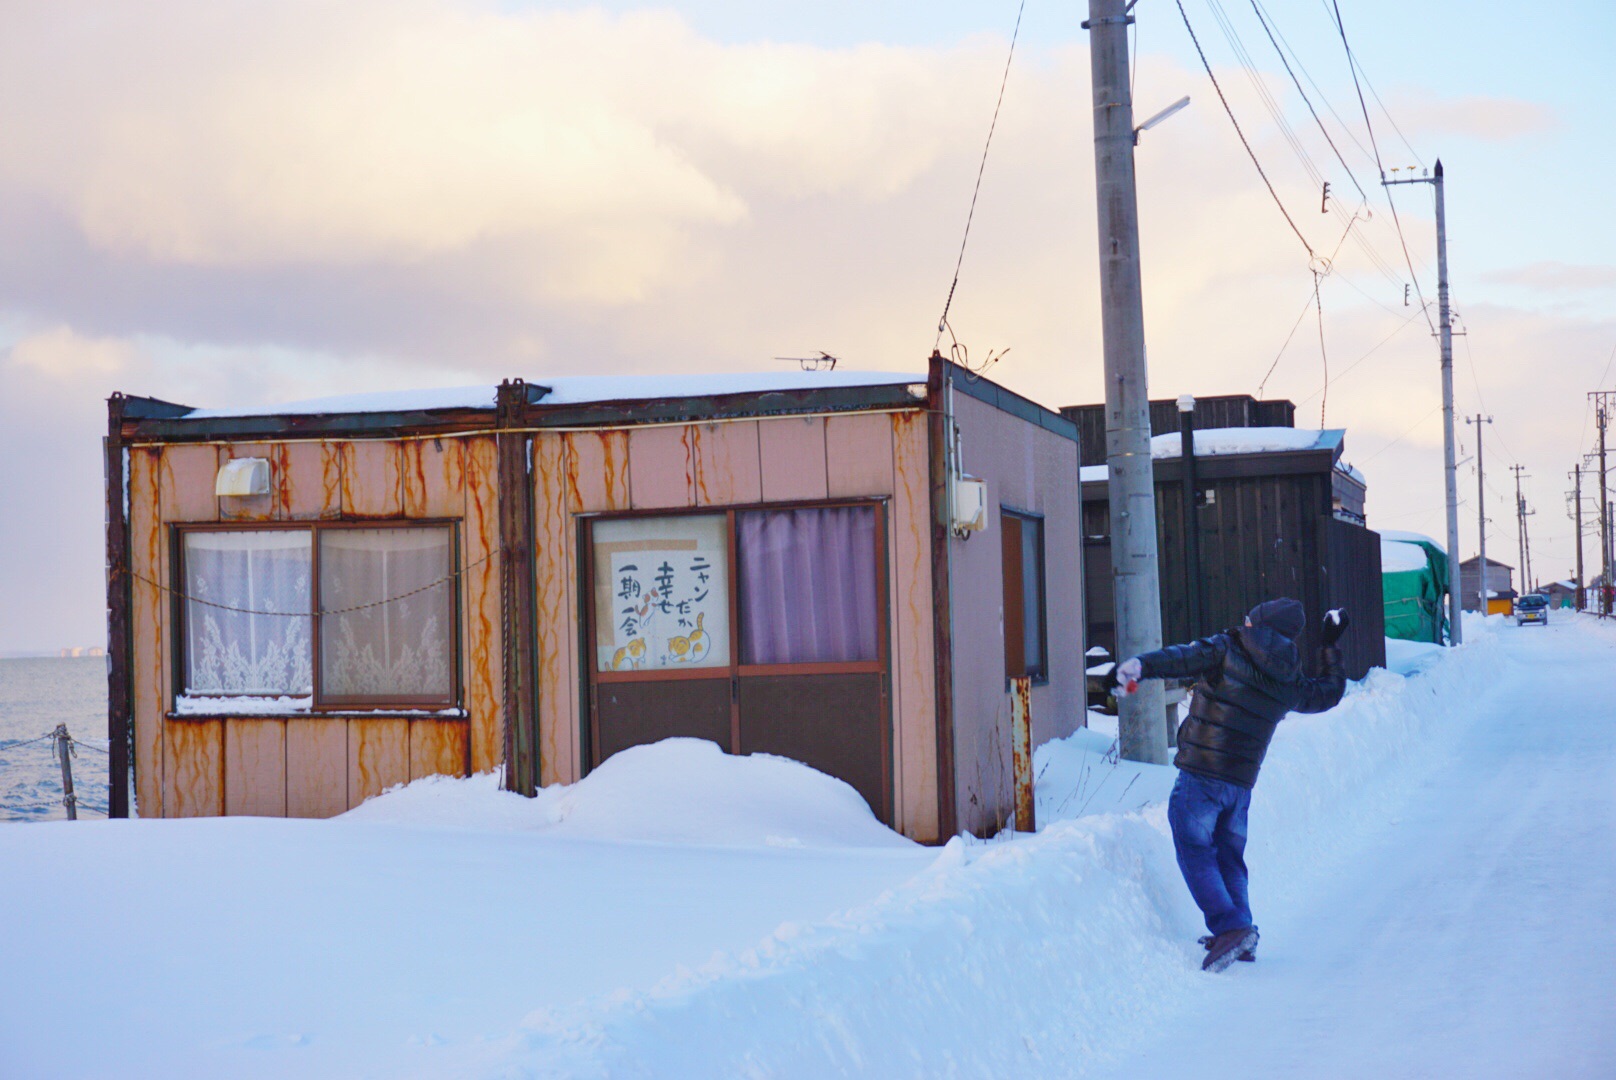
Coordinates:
1432 866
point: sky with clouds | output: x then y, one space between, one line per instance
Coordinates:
221 204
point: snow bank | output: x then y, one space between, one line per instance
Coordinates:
678 791
1023 955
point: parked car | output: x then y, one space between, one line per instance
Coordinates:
1532 608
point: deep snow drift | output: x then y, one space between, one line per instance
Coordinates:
749 917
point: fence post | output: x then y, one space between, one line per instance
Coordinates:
64 753
1021 752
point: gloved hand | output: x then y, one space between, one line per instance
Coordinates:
1128 673
1335 624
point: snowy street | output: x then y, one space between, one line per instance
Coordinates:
1471 935
1432 872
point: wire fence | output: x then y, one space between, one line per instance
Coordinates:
42 785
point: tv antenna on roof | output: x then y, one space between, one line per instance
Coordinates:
823 362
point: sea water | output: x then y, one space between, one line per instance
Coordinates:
35 696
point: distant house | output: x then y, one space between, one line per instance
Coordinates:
1276 513
1500 579
309 603
1561 594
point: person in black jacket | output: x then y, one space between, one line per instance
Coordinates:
1248 678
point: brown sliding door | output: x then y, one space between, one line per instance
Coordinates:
763 630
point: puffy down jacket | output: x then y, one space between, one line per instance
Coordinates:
1249 678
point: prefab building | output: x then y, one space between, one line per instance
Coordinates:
1275 513
1500 579
311 603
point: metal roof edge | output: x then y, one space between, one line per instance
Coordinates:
989 392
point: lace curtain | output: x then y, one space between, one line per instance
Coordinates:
234 652
392 651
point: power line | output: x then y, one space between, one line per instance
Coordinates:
1345 371
1243 141
1262 18
1352 66
1232 36
980 169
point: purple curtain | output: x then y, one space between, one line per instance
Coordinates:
808 585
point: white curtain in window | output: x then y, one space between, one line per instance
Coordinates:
247 612
398 644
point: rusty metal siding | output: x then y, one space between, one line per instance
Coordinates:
314 765
255 767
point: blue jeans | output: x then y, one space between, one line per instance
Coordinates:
1209 832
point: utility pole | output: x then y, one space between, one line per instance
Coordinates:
1445 335
1576 480
1521 514
1142 717
1602 402
1481 517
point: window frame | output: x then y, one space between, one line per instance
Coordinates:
318 702
735 669
1040 674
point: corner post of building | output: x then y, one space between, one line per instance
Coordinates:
517 597
939 439
120 602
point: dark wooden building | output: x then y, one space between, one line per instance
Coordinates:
1275 515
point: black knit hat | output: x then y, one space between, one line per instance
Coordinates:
1283 616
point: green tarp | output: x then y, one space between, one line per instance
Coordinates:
1413 585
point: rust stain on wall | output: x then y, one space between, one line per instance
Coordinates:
597 464
372 479
147 627
378 757
186 483
437 748
660 468
552 480
483 641
195 769
433 478
727 465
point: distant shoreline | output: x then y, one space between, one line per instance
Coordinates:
82 652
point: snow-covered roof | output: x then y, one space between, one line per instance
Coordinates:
1397 557
1245 440
1211 442
1412 538
573 390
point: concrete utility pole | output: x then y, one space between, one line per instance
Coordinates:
1449 458
1481 516
1576 481
1521 514
1142 718
1601 400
